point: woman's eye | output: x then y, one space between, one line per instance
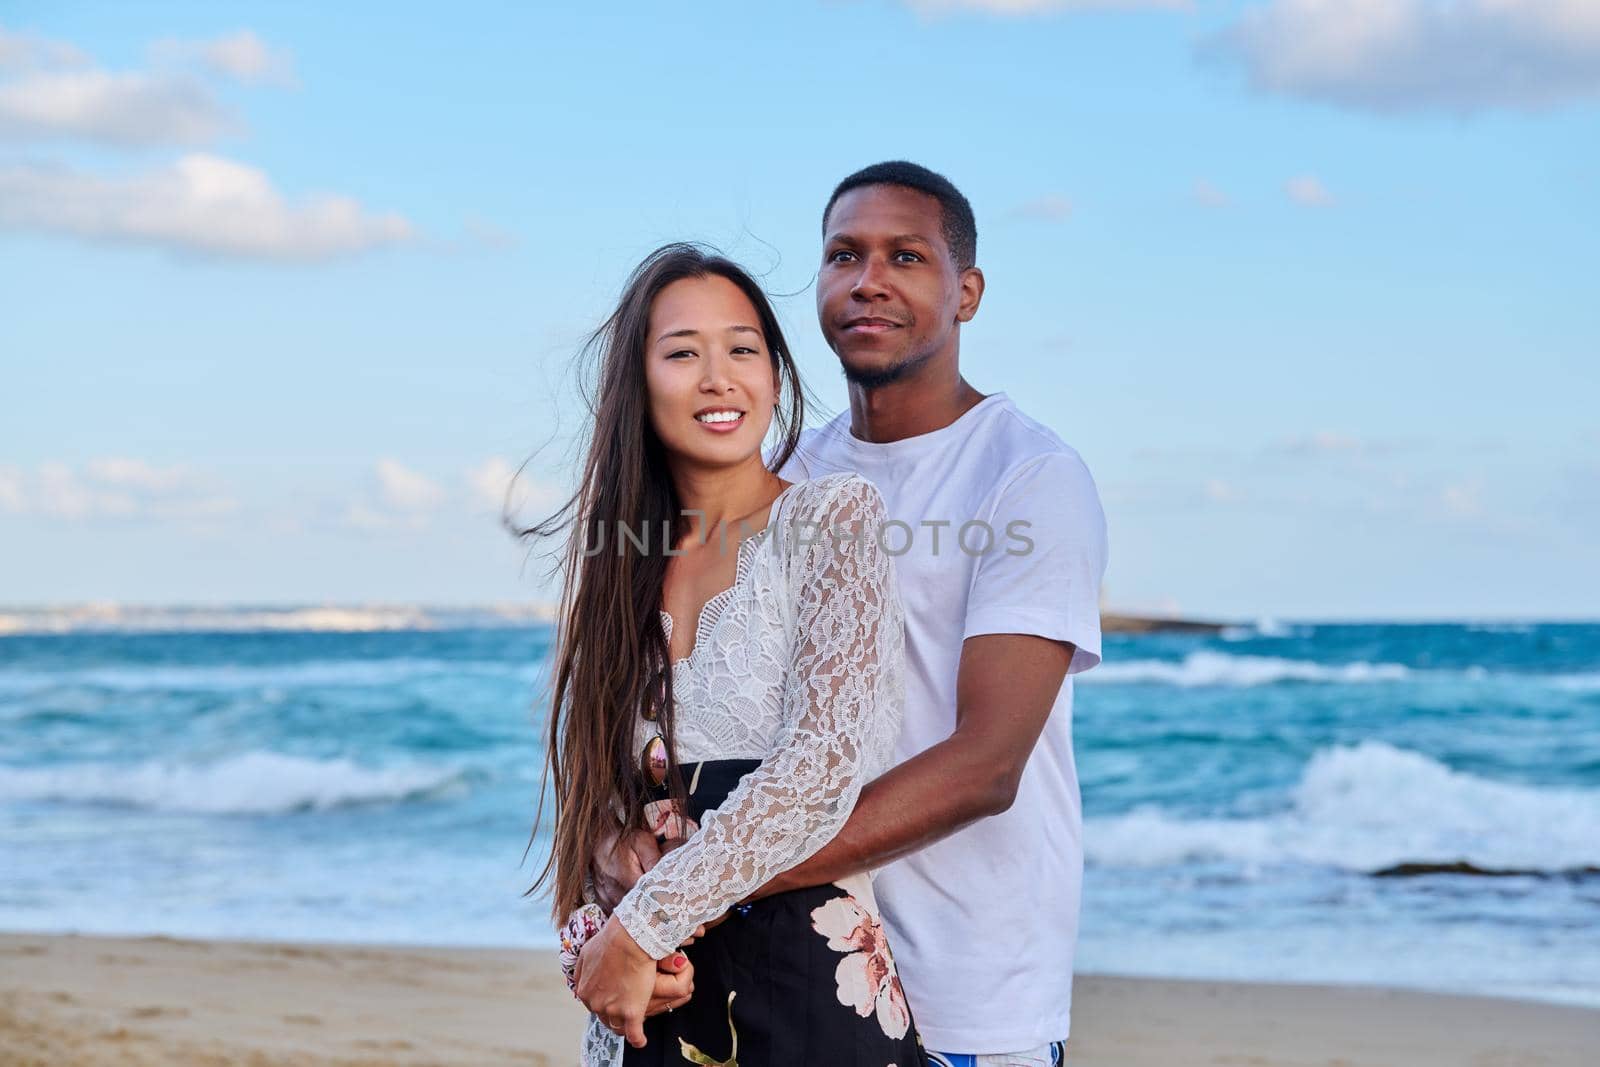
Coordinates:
680 352
745 348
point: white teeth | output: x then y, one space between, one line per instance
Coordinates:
720 416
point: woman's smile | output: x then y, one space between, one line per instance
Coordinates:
720 420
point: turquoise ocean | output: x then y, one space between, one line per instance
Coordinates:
1414 805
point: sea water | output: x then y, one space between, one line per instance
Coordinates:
1411 805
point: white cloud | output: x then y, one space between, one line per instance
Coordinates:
1209 195
1221 492
26 51
13 495
1051 208
1325 444
1043 7
1411 55
406 500
199 204
114 487
366 517
485 234
1308 190
1464 499
137 475
56 92
120 109
405 489
1320 443
241 55
490 482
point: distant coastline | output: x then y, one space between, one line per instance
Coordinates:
250 618
365 618
1113 623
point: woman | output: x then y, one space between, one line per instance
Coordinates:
728 670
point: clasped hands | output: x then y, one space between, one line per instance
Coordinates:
617 980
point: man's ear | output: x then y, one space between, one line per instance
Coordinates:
971 283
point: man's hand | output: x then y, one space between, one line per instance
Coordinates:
620 861
616 980
674 979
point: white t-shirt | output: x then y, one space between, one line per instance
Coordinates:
983 924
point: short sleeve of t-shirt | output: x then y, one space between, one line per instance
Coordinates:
1043 574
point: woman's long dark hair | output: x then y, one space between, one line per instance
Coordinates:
611 655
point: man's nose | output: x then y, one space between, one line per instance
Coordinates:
870 283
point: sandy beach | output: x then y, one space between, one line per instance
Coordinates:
70 1001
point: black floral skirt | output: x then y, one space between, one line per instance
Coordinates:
797 978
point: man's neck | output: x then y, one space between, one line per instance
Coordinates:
910 407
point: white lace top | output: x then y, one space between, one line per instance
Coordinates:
800 664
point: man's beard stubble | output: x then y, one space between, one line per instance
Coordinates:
873 379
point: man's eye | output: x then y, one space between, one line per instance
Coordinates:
912 256
834 258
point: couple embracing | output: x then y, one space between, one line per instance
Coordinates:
810 740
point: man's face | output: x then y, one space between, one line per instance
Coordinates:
888 294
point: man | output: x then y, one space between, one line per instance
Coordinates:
1001 548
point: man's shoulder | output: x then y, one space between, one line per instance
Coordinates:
816 437
1021 443
813 454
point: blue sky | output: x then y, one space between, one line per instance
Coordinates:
286 290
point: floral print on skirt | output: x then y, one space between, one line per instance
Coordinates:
796 979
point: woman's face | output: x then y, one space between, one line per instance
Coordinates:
709 374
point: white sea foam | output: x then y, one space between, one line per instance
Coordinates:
1263 627
252 783
350 672
1576 683
1370 806
1204 667
1207 668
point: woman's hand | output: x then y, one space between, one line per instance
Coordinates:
616 979
674 984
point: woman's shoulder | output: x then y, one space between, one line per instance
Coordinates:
843 510
840 493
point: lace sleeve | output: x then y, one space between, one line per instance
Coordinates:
842 705
601 1047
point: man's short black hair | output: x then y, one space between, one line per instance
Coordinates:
960 228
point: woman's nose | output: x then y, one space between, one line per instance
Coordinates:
716 378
